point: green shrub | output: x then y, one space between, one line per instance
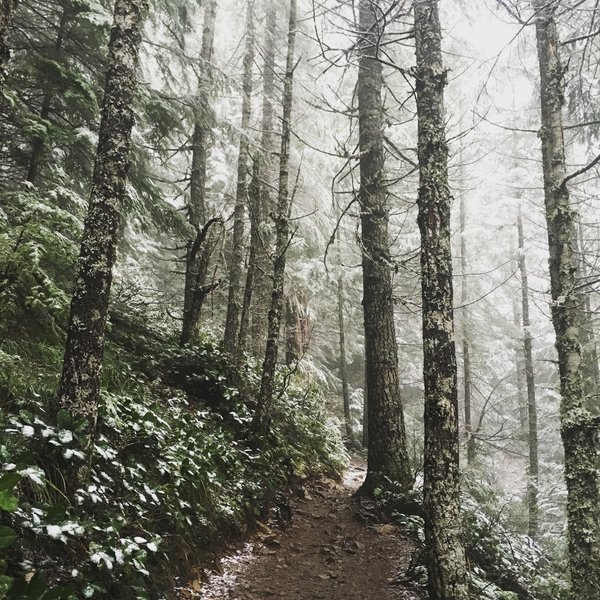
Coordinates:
174 472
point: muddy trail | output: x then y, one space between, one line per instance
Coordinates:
329 550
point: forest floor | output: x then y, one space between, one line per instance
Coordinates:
330 549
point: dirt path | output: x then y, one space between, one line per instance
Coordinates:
326 552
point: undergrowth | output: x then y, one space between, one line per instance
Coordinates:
504 563
173 473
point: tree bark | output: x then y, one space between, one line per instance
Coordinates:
293 332
201 134
7 9
589 349
282 226
251 273
519 367
466 346
343 361
577 429
197 262
445 553
365 427
297 325
79 391
234 303
533 475
387 454
261 237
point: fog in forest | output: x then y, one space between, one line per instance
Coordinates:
268 264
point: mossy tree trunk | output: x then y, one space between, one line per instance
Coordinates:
7 9
445 553
260 230
79 391
282 227
365 412
578 432
235 298
532 437
387 454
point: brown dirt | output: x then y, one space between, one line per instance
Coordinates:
327 551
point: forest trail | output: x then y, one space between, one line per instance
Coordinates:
326 552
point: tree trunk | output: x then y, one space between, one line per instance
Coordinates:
197 262
519 367
343 362
7 9
251 273
466 346
365 427
589 349
297 328
577 430
387 454
197 203
261 235
234 303
533 475
79 391
37 150
445 552
267 384
200 137
293 333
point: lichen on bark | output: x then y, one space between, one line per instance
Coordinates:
447 573
79 391
579 434
234 303
281 217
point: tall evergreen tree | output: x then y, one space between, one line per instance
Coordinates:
343 368
201 247
55 79
79 391
519 366
246 319
578 432
235 300
38 146
282 229
387 455
589 349
445 553
532 438
466 345
260 264
7 9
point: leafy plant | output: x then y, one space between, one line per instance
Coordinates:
173 472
